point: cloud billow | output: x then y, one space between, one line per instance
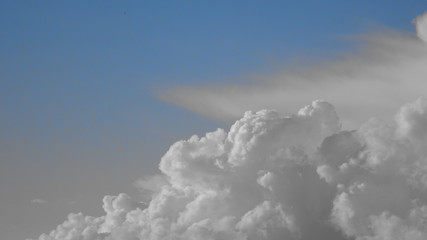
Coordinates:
294 177
273 177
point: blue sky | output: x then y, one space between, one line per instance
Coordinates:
80 117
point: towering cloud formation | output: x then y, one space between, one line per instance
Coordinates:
292 177
273 177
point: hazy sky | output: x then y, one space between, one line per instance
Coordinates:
80 115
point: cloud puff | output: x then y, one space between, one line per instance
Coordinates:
387 70
380 172
256 181
272 177
296 177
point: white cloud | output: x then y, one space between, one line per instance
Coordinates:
294 177
387 71
382 188
249 183
272 177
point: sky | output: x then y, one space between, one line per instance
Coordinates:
93 93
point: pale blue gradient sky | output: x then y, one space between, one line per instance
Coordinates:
79 116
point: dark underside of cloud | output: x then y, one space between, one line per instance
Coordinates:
276 177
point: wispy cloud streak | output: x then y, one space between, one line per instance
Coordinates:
38 201
386 71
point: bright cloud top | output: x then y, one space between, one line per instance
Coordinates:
388 70
273 177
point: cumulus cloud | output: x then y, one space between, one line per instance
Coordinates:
271 177
293 177
387 70
380 176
